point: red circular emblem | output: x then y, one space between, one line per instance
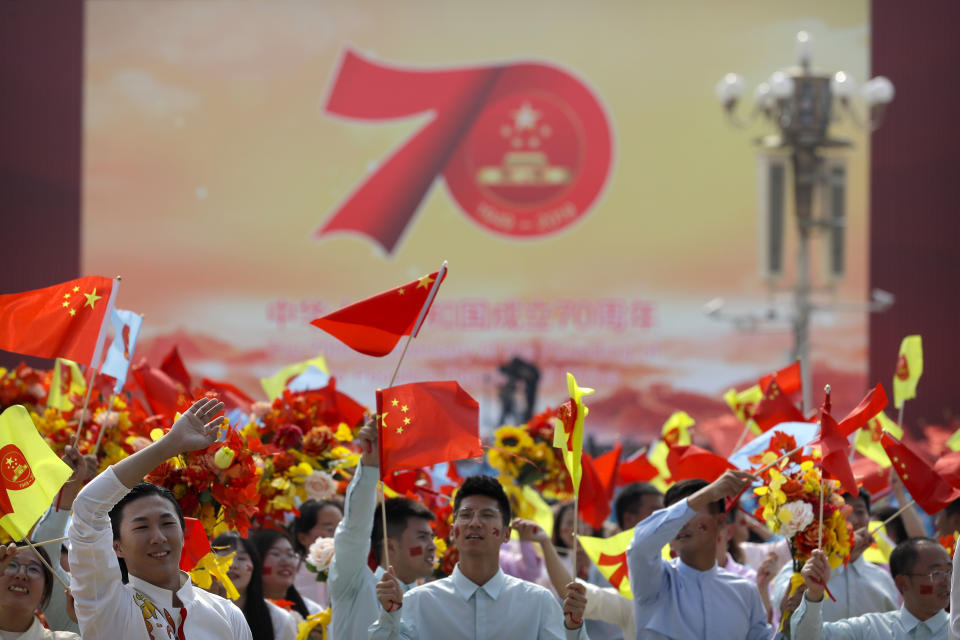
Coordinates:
14 469
537 156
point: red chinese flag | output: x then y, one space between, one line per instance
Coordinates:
835 449
335 406
425 423
927 487
607 467
163 394
375 325
775 407
872 404
594 501
636 468
691 461
195 544
871 476
787 378
62 321
947 467
173 366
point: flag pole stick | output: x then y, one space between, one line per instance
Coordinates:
98 357
777 461
45 563
820 529
103 427
383 521
895 514
40 544
743 435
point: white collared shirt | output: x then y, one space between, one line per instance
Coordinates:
37 632
861 587
351 584
111 610
454 608
955 597
807 624
673 600
283 623
606 603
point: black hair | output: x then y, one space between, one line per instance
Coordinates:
481 485
953 508
631 497
47 574
142 490
263 540
894 528
399 511
307 520
255 608
903 558
686 488
863 495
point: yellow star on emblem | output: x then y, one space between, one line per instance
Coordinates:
404 408
399 429
425 282
75 289
73 312
66 295
92 298
406 421
394 402
66 304
400 291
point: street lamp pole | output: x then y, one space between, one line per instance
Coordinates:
799 103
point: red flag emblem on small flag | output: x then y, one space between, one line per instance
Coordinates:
925 485
775 407
375 325
836 449
425 423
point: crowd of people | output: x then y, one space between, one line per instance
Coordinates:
726 575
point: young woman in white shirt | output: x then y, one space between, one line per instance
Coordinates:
267 621
280 564
25 586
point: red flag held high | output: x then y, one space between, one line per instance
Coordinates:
926 486
787 378
173 366
65 320
636 468
195 544
594 504
775 407
607 467
835 448
425 423
163 394
375 325
948 467
872 477
872 404
691 461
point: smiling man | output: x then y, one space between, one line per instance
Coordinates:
921 569
126 538
689 596
478 601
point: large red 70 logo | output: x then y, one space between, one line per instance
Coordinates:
524 148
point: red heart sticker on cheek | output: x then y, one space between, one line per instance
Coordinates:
496 531
267 571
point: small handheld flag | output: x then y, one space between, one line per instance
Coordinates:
126 330
909 370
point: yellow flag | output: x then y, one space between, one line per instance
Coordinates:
30 473
868 438
658 458
676 430
568 430
879 552
909 370
77 386
610 557
275 384
532 507
954 442
743 403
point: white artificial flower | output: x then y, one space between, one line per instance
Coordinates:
319 557
320 485
801 515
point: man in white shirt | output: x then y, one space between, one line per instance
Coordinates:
351 583
478 601
124 528
921 569
689 597
860 587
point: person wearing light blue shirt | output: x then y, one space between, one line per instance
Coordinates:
689 597
478 601
921 570
351 583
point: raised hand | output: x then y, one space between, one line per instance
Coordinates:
84 468
528 530
766 571
196 428
574 604
390 592
816 574
729 485
367 439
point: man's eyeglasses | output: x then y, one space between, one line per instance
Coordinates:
292 556
487 516
935 576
